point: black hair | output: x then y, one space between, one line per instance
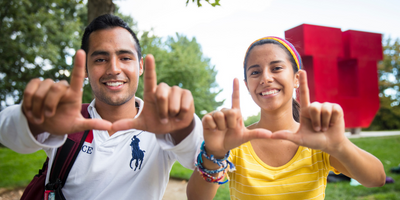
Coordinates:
107 21
295 104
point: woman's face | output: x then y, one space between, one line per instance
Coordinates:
270 77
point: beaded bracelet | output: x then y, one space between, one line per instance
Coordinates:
211 157
211 179
223 163
223 168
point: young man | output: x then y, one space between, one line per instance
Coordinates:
135 142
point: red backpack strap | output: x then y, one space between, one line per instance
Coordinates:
65 158
62 164
35 189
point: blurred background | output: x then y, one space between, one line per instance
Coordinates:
198 45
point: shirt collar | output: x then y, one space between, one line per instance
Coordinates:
93 112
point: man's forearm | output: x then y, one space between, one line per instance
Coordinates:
180 135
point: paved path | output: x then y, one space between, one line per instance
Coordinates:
372 134
176 190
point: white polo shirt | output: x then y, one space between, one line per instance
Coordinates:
130 164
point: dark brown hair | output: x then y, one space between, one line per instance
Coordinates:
295 104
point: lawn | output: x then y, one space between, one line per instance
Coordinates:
18 169
387 149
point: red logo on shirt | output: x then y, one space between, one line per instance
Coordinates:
89 138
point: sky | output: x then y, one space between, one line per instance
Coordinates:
225 32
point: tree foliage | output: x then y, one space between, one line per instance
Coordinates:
39 39
252 119
216 3
388 116
180 61
36 41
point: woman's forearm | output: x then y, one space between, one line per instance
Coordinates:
358 164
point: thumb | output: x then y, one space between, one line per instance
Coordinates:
258 133
97 124
286 135
125 124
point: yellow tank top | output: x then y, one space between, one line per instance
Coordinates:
303 177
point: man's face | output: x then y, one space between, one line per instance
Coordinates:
113 66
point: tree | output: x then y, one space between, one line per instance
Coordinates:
388 116
180 61
99 7
252 119
216 3
37 40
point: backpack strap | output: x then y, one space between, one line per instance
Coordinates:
65 158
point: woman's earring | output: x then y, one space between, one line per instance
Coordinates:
296 86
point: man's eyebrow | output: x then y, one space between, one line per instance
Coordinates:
105 53
96 53
119 52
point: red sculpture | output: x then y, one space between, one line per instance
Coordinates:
341 68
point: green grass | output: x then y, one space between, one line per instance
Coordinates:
17 170
387 149
180 172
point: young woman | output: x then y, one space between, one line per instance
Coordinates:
290 151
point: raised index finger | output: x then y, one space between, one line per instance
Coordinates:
150 76
78 72
304 93
235 94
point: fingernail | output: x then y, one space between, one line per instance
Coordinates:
317 128
37 120
324 129
177 120
47 113
28 114
164 121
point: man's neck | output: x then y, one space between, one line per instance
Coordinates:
114 113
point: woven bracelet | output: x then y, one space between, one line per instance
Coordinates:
224 166
211 157
212 179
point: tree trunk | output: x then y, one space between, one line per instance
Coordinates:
99 7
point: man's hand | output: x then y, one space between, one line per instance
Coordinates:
166 109
56 107
225 130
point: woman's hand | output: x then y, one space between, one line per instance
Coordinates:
321 124
225 130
